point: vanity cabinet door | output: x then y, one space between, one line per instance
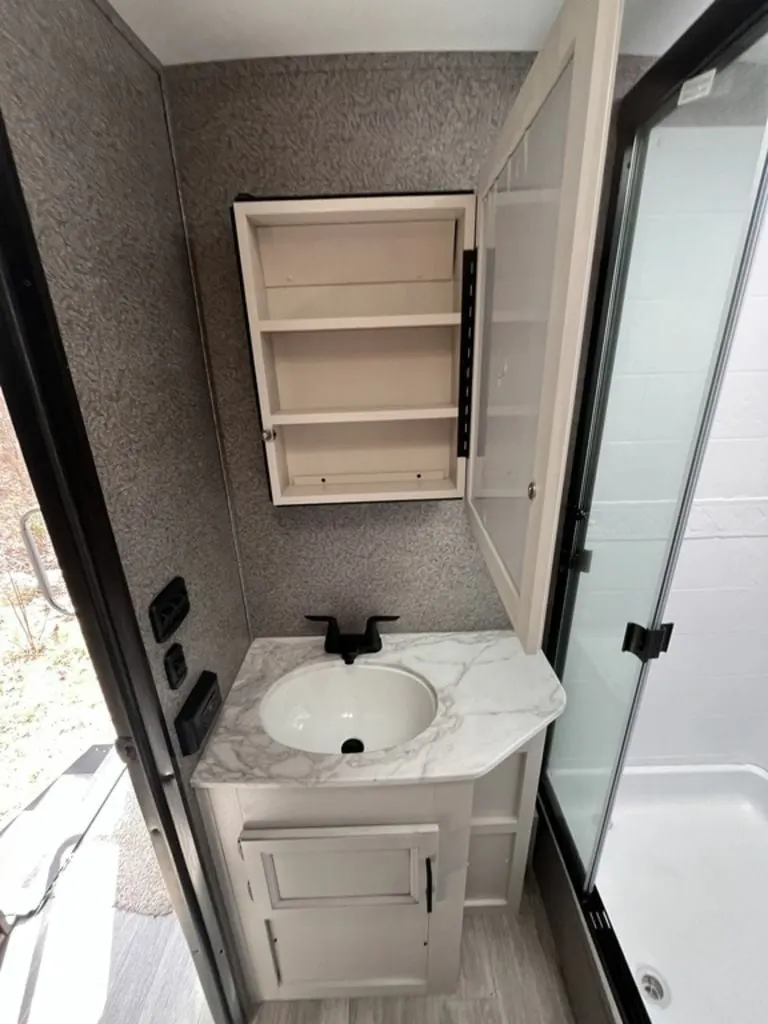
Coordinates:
538 204
349 952
344 910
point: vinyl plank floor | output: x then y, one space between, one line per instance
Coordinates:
138 946
424 1010
119 967
509 975
167 1002
539 994
485 946
82 959
306 1011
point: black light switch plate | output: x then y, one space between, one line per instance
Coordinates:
175 664
169 609
198 713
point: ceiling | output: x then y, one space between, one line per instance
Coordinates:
187 31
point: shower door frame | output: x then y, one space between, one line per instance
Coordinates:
722 33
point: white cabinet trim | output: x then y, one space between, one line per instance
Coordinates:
586 32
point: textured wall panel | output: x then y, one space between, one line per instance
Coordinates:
308 126
85 116
304 127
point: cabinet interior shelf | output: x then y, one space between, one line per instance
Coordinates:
393 490
359 323
354 308
361 415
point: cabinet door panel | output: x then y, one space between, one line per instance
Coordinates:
490 858
351 866
351 948
344 909
538 209
375 874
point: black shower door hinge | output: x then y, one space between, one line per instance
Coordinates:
575 557
467 347
581 560
647 644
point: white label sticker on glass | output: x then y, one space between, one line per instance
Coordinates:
697 88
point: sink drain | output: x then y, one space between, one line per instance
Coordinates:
653 986
352 746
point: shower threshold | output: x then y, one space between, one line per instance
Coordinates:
684 878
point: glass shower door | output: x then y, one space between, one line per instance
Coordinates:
691 197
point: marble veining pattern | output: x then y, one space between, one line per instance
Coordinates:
492 699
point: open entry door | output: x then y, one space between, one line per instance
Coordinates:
538 203
46 415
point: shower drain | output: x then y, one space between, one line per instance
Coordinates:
653 986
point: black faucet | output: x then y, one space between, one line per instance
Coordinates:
349 645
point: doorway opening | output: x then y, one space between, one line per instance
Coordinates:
57 758
87 930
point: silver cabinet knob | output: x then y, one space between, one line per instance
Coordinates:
531 490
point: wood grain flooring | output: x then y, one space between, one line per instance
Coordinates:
81 960
509 975
145 975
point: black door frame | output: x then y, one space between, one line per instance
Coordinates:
724 30
44 409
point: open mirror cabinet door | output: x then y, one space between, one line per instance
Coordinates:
538 204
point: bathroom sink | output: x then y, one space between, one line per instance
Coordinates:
338 708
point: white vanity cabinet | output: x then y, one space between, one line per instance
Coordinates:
347 891
427 346
354 891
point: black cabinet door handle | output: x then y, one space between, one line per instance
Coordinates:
429 885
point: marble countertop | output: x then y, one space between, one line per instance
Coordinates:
492 699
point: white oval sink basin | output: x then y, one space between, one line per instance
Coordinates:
338 708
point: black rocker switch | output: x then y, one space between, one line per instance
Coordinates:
175 666
169 609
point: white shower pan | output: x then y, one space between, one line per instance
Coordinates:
684 878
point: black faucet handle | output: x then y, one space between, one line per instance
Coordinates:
332 633
372 637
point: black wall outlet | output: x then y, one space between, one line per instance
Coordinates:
198 713
169 609
175 664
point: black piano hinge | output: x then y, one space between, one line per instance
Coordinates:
466 347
